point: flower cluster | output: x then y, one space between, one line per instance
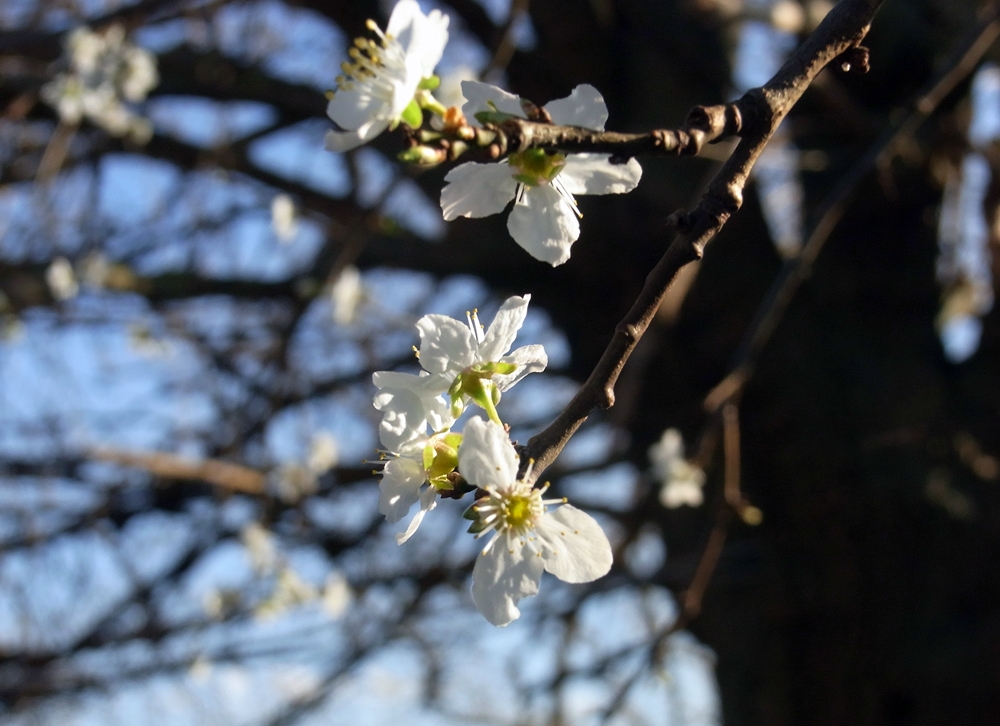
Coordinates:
106 74
389 82
432 449
468 365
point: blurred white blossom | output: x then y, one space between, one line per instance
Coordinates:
293 482
323 453
261 550
337 595
106 74
346 294
680 481
289 590
61 280
284 218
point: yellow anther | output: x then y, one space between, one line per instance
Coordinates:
361 42
371 24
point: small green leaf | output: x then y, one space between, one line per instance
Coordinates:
412 116
493 117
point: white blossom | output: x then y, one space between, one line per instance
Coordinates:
410 404
527 537
346 294
417 476
680 481
106 74
261 548
61 279
337 595
284 218
545 217
419 463
292 482
324 453
377 89
472 362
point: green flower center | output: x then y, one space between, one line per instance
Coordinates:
535 167
518 512
441 459
476 383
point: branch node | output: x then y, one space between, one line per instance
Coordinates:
665 139
691 142
733 120
854 60
535 113
607 397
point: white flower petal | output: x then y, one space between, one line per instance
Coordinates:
486 457
428 387
403 423
404 14
479 97
428 501
669 447
445 344
352 109
594 174
676 493
477 190
438 412
544 224
583 107
577 549
399 488
425 37
346 140
528 359
503 329
501 577
425 384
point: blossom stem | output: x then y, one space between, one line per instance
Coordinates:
427 102
487 403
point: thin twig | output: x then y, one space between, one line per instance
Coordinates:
704 124
506 43
223 474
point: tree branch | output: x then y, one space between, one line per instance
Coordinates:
761 110
703 124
